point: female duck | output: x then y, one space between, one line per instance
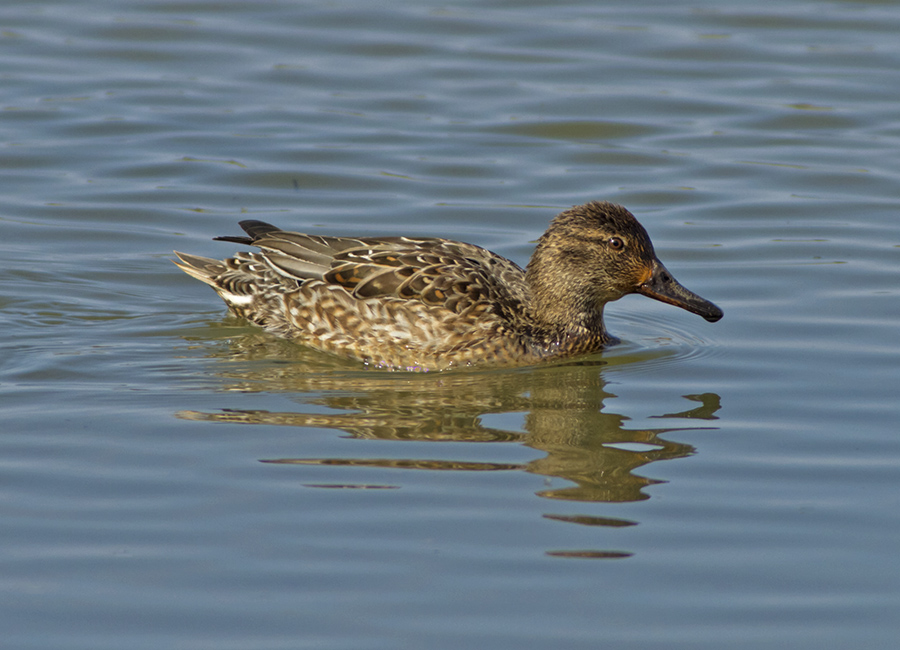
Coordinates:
432 304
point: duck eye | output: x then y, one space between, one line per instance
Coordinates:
615 243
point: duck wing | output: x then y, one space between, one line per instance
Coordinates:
460 277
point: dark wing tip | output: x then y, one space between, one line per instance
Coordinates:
256 230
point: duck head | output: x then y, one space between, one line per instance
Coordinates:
596 253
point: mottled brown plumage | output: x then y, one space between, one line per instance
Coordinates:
433 304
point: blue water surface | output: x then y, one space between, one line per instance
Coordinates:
171 477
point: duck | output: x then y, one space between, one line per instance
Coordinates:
424 303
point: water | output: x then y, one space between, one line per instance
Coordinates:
173 478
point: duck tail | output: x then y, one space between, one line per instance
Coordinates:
204 269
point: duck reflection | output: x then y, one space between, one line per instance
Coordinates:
562 407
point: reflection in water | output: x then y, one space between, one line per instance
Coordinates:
562 406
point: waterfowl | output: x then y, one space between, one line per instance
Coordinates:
432 304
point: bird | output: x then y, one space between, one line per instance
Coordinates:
424 304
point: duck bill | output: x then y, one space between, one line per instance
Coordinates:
665 288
